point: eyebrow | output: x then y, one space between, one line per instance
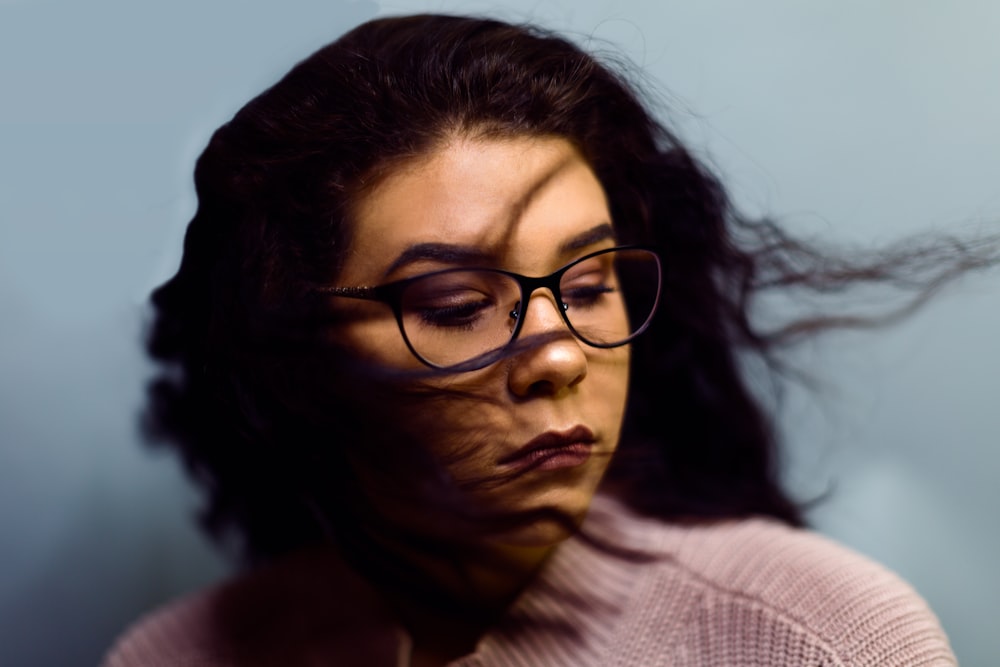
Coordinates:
445 253
459 255
601 232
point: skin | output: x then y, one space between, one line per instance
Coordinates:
519 203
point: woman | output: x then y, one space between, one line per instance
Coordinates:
454 351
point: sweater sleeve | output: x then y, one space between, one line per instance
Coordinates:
759 593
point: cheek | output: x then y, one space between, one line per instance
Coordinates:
463 417
370 333
612 381
608 373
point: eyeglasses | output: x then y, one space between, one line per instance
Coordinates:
464 319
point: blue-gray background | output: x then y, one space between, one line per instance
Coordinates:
854 120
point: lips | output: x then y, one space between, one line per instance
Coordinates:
552 450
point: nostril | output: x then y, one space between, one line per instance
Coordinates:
540 388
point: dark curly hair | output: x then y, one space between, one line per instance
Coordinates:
273 423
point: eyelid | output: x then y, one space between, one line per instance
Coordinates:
585 263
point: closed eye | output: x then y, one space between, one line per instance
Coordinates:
462 314
586 295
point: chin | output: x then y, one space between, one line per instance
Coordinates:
558 513
541 534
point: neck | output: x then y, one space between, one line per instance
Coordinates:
459 593
485 578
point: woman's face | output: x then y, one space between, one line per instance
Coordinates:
545 421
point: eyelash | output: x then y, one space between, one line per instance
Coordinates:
466 311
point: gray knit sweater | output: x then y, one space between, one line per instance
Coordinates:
734 593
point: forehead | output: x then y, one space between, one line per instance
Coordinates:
517 200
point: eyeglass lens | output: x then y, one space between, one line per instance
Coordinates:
454 316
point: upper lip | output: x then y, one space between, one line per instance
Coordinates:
552 440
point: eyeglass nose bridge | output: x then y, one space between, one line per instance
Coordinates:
529 286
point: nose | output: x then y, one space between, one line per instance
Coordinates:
556 362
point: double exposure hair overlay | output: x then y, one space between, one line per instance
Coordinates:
278 424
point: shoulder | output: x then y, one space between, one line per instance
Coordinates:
299 611
177 633
759 586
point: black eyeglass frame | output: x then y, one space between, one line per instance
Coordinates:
391 295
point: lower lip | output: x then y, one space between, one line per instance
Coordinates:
555 458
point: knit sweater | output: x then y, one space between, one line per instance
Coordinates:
730 593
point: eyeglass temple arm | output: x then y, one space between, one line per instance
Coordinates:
351 292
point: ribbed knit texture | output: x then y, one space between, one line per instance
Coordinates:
735 593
